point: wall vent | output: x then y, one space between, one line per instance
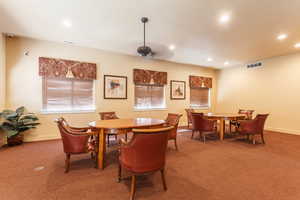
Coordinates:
253 65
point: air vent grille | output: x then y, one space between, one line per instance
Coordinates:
258 64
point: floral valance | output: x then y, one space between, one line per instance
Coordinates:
59 68
200 82
148 77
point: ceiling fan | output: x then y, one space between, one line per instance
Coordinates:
145 50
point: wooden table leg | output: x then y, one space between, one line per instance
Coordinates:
102 149
222 128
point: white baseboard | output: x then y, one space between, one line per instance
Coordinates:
288 131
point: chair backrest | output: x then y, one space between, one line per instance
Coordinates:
260 122
148 149
108 115
173 120
189 112
248 113
200 123
72 143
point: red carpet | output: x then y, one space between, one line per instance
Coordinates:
229 170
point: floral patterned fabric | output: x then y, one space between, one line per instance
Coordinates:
58 68
148 77
200 82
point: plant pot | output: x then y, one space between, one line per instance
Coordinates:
15 140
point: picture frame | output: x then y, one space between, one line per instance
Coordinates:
177 90
115 87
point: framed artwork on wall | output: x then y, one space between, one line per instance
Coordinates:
177 89
115 87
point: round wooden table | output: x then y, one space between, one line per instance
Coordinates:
122 124
222 117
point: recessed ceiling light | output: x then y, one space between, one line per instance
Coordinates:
226 63
67 23
209 59
282 36
297 45
224 18
172 47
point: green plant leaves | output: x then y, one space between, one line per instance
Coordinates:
20 111
18 121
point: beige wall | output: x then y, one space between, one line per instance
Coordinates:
24 86
2 71
273 88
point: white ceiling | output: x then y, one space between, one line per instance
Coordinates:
191 25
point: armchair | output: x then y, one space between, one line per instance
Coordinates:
75 141
235 123
173 120
189 112
109 132
144 153
202 125
253 127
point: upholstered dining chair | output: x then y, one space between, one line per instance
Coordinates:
203 126
173 120
253 127
248 116
76 141
144 153
109 132
189 112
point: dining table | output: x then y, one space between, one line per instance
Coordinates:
222 117
123 126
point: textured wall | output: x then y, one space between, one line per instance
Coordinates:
24 86
273 88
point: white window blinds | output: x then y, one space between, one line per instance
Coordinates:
200 97
68 95
149 97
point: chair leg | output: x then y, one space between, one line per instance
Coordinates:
133 183
116 137
162 171
126 137
204 139
253 139
67 162
107 140
262 138
192 134
175 142
230 127
119 173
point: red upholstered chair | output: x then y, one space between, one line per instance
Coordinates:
109 132
253 127
75 141
235 123
189 112
202 125
173 120
144 153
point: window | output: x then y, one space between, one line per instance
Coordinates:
200 97
68 95
149 97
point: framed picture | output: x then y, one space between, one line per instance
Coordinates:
115 87
177 90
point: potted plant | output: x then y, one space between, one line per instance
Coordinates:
15 123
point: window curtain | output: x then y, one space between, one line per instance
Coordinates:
200 82
148 77
59 68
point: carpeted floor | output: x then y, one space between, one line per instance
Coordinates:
228 170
